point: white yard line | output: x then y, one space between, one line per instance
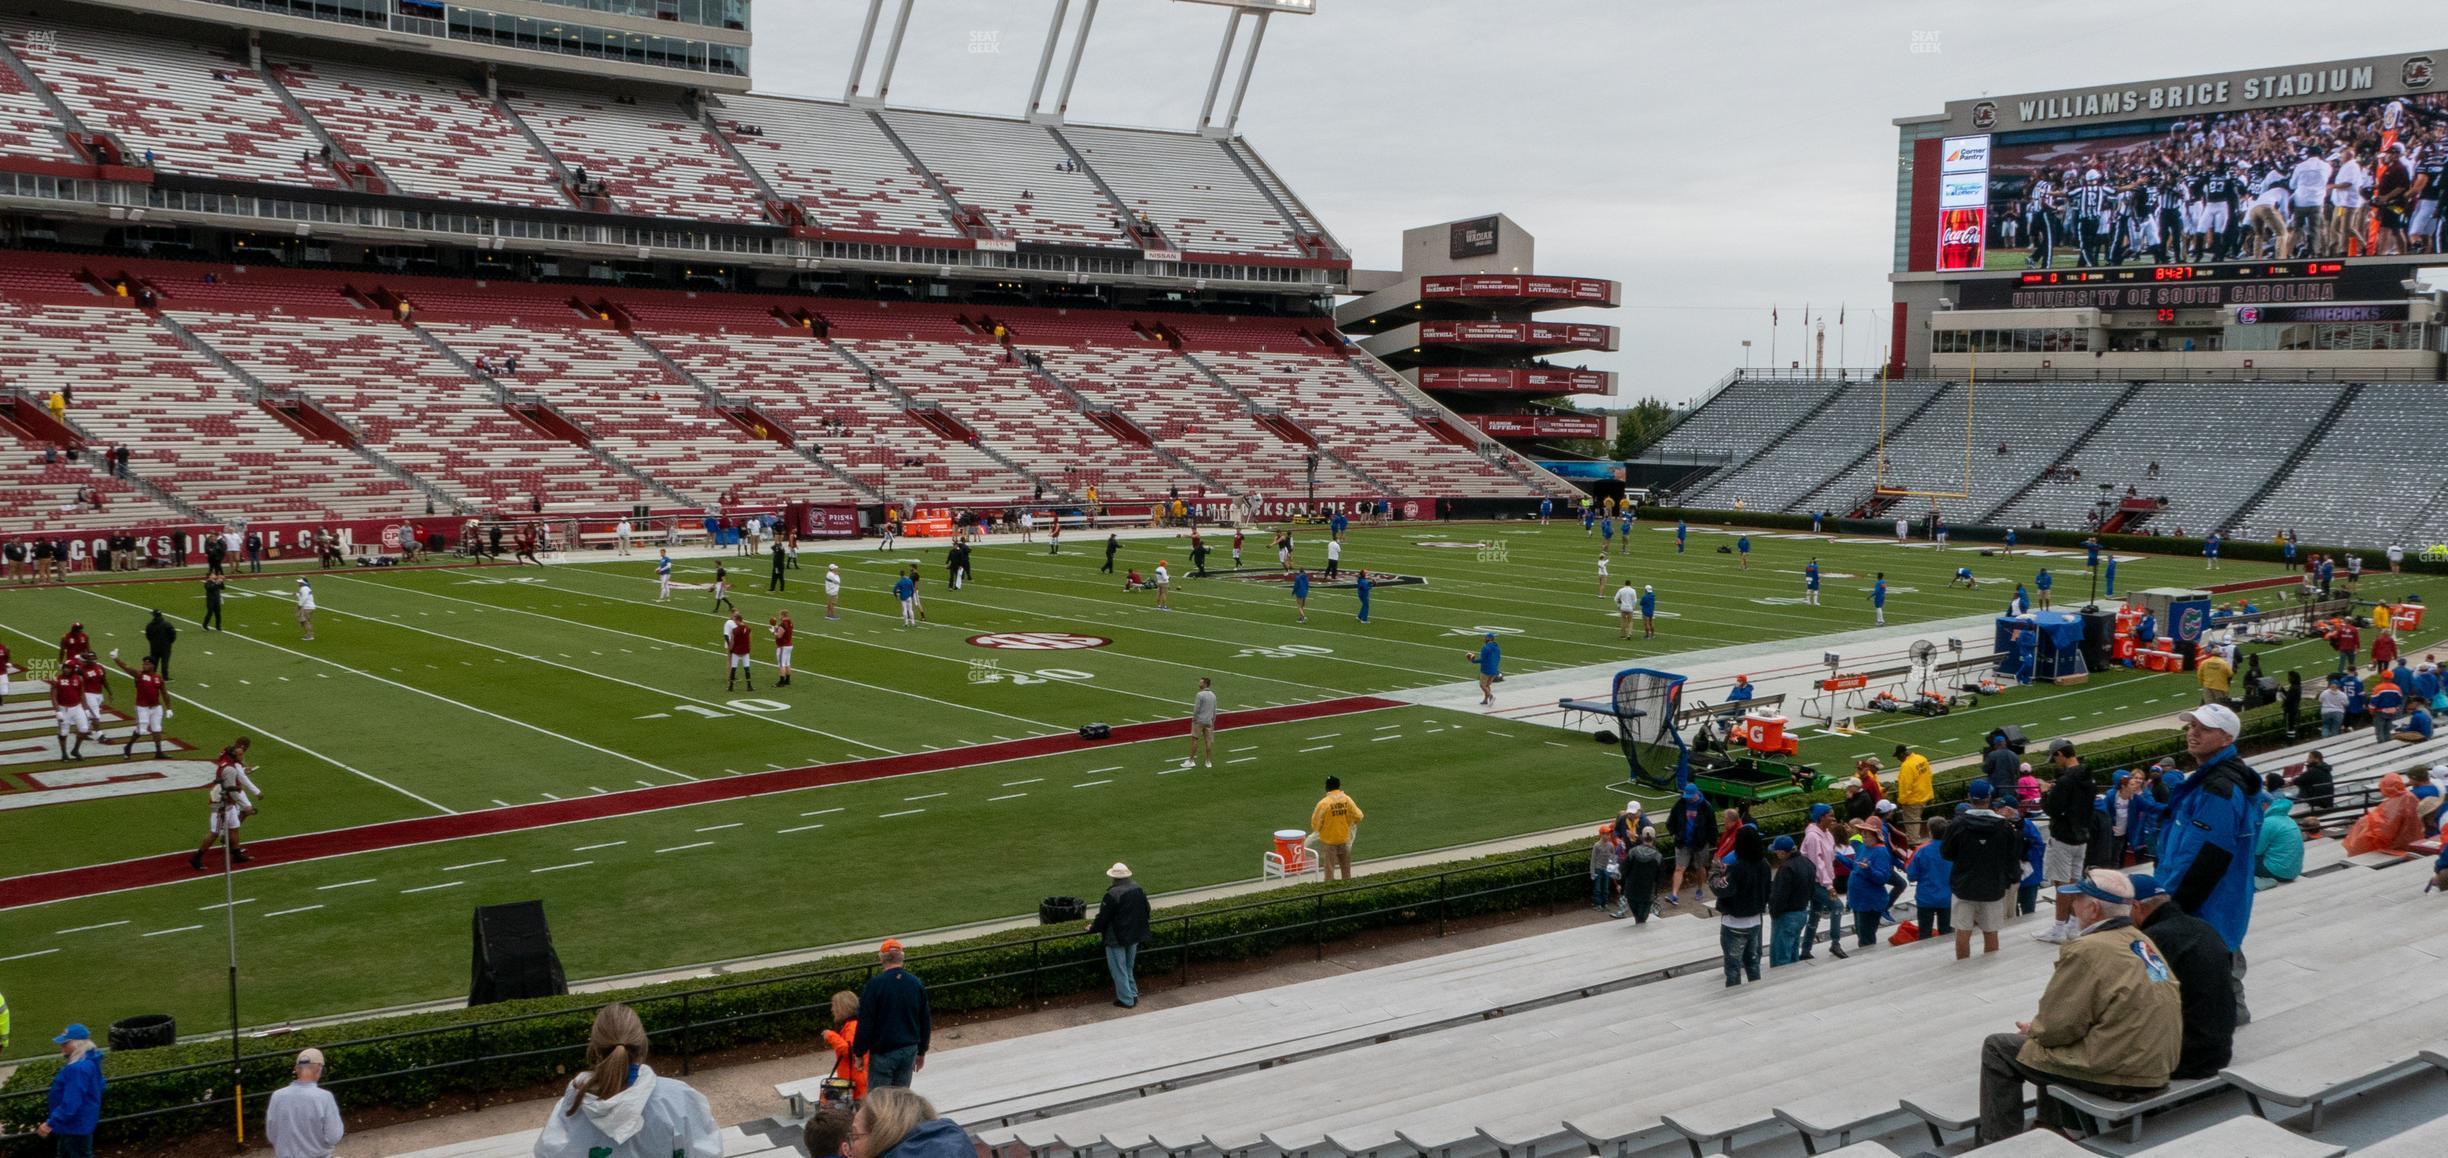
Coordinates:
290 912
344 885
452 868
554 868
709 648
431 888
411 688
184 700
180 929
605 676
685 847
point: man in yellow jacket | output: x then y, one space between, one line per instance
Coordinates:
2216 676
1335 820
1916 785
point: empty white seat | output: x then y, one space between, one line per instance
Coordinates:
1014 173
2243 1138
432 136
1191 187
193 109
843 171
653 157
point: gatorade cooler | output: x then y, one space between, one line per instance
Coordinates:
1766 733
2407 617
1288 847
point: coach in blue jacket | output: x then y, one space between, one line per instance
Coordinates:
76 1094
2213 819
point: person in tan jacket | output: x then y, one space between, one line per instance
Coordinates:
1334 821
2110 1022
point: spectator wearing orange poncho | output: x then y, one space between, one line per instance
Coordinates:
845 1030
2393 825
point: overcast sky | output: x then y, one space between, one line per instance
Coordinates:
1717 157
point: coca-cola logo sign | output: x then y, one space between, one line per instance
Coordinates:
1962 238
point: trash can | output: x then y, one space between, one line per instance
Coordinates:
1056 910
145 1031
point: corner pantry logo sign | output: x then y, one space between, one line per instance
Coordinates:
1038 641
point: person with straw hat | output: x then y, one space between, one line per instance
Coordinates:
1122 919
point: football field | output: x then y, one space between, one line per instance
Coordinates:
455 736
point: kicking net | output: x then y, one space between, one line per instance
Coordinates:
1645 705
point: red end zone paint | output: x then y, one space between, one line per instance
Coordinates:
67 884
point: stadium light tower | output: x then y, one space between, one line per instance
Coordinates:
1265 9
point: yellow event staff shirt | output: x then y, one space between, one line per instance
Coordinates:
1914 781
1334 817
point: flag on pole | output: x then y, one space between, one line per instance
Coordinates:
1840 313
1772 315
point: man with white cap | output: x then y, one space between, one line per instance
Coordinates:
1122 918
302 1120
305 607
2110 1022
832 590
2213 818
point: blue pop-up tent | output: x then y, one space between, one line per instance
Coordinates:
2043 645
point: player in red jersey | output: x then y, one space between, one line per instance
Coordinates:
97 687
527 545
232 798
73 644
148 706
4 671
68 704
736 637
783 630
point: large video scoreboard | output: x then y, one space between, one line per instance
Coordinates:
2190 180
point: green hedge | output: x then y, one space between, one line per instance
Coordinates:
415 1061
2375 564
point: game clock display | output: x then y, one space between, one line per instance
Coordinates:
2234 271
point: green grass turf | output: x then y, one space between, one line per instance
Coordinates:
466 689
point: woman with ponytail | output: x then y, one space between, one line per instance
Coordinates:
619 1108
